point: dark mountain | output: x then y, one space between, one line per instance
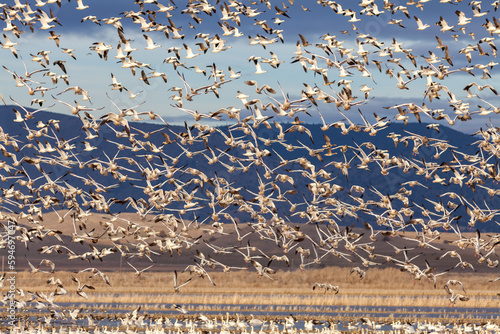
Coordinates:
149 151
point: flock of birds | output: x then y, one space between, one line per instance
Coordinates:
144 322
172 190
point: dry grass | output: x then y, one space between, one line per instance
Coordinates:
381 287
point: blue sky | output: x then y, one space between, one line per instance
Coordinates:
94 74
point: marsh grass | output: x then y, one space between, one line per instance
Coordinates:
381 287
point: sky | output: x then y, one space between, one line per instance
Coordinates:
93 73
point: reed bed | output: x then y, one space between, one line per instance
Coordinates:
381 287
364 299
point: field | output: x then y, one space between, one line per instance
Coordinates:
384 284
386 296
381 287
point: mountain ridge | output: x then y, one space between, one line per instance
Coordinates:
298 191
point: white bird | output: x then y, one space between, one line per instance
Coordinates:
180 309
421 25
263 271
258 69
176 286
80 5
80 288
233 75
8 44
18 5
151 45
189 52
139 272
45 20
444 25
462 19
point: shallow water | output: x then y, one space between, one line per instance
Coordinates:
113 311
284 309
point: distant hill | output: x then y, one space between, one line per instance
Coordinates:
148 157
